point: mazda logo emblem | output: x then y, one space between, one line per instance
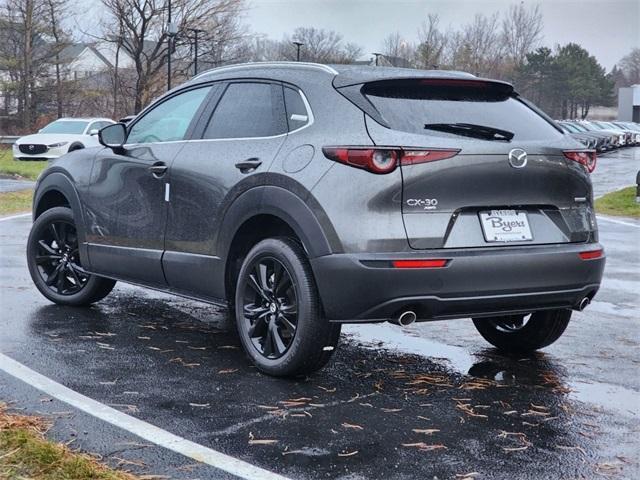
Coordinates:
518 158
31 147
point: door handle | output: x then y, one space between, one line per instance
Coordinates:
158 169
249 165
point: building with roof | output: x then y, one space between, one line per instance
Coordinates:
629 104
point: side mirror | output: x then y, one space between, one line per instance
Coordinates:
113 137
93 131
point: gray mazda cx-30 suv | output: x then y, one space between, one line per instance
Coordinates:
304 196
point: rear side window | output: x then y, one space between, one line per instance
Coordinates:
248 110
297 114
413 106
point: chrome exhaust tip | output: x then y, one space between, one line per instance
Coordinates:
583 304
404 319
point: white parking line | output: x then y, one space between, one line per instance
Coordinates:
142 429
13 217
620 222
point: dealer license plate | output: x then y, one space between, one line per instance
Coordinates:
505 226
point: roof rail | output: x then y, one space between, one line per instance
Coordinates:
226 68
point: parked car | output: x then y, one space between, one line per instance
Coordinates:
603 141
613 138
632 128
628 135
596 126
304 196
59 137
589 141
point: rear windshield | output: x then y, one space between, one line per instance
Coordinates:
415 106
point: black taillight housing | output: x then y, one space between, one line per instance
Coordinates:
382 160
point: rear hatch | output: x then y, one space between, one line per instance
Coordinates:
507 179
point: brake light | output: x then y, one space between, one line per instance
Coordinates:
584 157
385 159
591 254
413 157
432 263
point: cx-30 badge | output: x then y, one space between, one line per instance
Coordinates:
518 158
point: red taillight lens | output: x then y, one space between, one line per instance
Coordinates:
412 157
432 263
591 254
584 157
375 160
385 159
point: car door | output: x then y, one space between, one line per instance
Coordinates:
239 136
126 205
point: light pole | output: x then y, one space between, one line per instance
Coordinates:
298 45
171 31
377 55
195 31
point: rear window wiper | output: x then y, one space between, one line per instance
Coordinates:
471 130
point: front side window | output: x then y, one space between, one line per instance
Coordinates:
248 110
169 121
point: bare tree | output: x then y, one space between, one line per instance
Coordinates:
25 51
477 48
56 10
394 45
321 46
521 31
630 66
141 29
432 43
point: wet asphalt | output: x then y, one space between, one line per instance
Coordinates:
429 401
12 184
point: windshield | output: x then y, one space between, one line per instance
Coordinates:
479 109
571 128
581 128
66 126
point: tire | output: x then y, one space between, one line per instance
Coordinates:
71 285
517 334
268 306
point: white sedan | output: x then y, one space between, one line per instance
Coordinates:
59 137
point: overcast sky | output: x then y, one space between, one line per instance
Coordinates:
608 29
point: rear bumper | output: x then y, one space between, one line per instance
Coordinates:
476 282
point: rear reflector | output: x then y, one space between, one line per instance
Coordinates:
383 160
434 263
584 157
590 255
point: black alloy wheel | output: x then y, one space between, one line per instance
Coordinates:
57 258
524 333
510 323
270 307
278 312
54 261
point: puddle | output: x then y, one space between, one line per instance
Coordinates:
405 341
375 336
611 397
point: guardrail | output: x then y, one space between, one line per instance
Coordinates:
9 139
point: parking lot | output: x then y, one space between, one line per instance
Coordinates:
428 401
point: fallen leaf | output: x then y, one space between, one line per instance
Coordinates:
353 426
348 454
426 431
263 441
